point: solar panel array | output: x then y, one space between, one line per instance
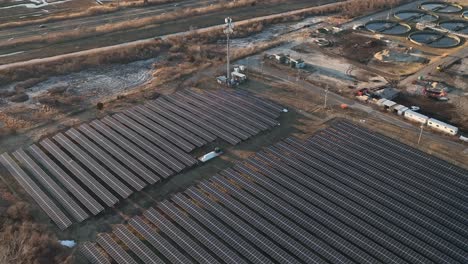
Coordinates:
79 172
345 195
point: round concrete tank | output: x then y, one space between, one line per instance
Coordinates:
434 39
388 27
459 26
415 16
441 7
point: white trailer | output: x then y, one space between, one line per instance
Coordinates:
416 117
442 126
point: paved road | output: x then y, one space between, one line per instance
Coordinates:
91 22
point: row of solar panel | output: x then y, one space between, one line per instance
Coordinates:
324 200
122 153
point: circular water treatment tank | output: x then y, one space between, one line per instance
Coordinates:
387 27
460 26
434 39
441 7
465 15
415 16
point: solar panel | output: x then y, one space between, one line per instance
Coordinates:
173 127
250 103
189 126
272 231
92 254
107 160
135 244
170 105
244 109
157 241
49 207
220 113
289 227
62 197
162 131
114 250
82 175
64 178
97 169
119 154
201 234
165 145
282 199
235 112
399 200
190 246
142 156
221 230
238 224
208 115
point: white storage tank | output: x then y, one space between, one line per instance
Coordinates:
441 126
416 117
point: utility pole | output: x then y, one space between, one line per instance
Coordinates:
228 30
326 97
420 134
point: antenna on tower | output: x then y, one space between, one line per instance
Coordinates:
228 30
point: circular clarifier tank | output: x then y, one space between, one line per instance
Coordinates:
441 7
459 26
415 16
388 27
434 39
465 15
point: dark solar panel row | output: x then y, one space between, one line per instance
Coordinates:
245 110
366 208
235 112
172 126
94 166
89 251
440 200
274 107
452 182
384 204
114 250
282 222
117 154
135 244
179 237
62 197
49 207
391 143
260 223
200 233
134 146
404 197
161 131
251 104
64 178
221 230
219 112
213 117
323 200
101 192
158 242
201 122
188 124
106 159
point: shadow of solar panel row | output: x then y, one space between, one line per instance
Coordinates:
323 200
99 163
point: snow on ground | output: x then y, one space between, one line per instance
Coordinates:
34 4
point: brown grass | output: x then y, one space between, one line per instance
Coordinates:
24 242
